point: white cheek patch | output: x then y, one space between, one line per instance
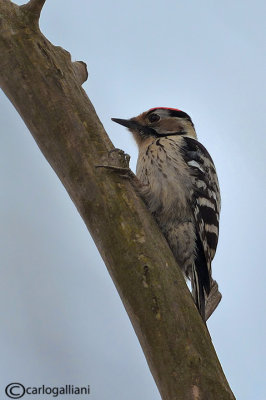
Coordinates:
164 131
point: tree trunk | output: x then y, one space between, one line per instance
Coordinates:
45 87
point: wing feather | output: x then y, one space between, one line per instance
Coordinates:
205 196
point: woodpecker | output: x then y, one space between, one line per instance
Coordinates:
179 184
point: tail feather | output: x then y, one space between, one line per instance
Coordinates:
200 279
206 304
213 299
198 292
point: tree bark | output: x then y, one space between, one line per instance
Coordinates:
45 87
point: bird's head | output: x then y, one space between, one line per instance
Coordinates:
159 122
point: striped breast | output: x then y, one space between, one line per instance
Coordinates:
165 177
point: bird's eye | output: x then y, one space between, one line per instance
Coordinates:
153 117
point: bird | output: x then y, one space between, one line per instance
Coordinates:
179 184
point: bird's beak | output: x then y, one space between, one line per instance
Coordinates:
128 123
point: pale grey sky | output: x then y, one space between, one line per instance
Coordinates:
61 318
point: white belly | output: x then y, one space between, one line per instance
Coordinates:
166 190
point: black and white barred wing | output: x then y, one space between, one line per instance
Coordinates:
205 199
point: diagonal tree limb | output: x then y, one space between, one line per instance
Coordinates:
45 87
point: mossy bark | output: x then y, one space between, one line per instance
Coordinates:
45 87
